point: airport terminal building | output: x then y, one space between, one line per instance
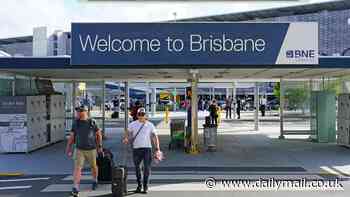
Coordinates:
315 63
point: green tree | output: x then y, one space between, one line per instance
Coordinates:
277 90
296 97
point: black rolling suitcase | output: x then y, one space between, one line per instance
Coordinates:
120 177
105 166
119 181
115 115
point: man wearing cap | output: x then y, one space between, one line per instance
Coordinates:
140 135
87 138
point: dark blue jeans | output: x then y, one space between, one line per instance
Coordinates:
145 155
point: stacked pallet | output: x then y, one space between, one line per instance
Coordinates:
28 123
56 117
23 121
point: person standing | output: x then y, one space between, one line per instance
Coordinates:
228 107
213 112
263 105
87 138
238 109
140 135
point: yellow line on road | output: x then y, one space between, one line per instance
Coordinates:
11 174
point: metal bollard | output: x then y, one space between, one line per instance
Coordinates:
166 118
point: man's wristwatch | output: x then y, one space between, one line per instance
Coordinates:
99 146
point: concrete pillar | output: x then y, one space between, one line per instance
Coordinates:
103 104
194 111
154 101
281 109
228 93
126 107
175 93
256 104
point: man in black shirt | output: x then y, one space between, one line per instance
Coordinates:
87 139
213 109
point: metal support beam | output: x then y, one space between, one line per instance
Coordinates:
103 104
175 93
323 84
126 107
256 104
281 109
210 93
213 92
154 101
344 88
147 98
74 95
14 86
227 93
119 95
234 99
194 111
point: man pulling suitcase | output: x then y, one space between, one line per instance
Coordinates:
140 135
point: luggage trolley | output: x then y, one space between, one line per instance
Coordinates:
177 134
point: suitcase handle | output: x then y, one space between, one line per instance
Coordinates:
125 154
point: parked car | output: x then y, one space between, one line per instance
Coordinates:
273 104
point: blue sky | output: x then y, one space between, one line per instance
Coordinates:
18 17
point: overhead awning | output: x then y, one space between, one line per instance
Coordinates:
59 68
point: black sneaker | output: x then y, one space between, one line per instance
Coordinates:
145 189
138 189
94 185
75 192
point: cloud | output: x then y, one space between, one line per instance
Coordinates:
18 17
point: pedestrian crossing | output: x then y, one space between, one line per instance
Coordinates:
16 187
181 180
201 177
165 179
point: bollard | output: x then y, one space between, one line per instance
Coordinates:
194 150
166 118
219 115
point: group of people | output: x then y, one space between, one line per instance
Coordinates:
85 143
214 109
230 104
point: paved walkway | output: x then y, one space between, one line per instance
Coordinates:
238 146
242 154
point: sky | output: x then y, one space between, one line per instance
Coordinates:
19 17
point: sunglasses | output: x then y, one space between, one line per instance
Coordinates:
141 114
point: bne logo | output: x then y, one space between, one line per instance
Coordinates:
300 54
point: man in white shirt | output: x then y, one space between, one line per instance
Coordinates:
140 134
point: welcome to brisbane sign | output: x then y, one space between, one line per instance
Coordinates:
194 43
